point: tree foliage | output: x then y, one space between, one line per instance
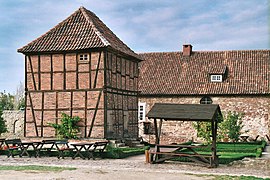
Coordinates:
6 103
68 127
230 127
233 125
11 102
19 98
3 127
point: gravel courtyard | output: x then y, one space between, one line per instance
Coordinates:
130 168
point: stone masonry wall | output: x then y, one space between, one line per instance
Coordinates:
255 121
14 122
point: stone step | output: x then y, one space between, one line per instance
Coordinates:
120 145
266 153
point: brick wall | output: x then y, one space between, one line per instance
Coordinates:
61 83
121 83
255 121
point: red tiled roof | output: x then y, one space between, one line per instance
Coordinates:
170 73
81 30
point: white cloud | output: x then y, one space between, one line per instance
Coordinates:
153 25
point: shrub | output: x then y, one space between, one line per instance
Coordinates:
68 127
203 130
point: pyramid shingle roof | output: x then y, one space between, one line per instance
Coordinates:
81 30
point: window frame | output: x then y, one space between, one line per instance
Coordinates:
141 112
83 57
206 99
216 78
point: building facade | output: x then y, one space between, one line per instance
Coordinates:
81 68
236 80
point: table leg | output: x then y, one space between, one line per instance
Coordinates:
24 150
89 152
36 150
78 152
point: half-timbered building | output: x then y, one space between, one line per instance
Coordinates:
81 68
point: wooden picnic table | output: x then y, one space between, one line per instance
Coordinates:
28 144
50 142
83 147
14 145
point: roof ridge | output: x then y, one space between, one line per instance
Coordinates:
159 52
208 51
97 32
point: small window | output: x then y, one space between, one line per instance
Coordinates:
206 100
83 57
141 111
216 78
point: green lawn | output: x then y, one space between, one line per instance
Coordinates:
35 168
229 152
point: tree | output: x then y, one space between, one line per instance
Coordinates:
19 99
3 127
232 125
6 101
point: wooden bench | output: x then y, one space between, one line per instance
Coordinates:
14 145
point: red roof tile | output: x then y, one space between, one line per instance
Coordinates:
81 30
169 73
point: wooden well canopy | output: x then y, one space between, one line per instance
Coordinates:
184 112
187 112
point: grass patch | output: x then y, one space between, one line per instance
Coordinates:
119 153
229 152
227 177
36 168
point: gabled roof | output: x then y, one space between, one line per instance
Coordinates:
81 30
185 112
171 73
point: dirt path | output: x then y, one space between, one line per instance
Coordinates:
130 168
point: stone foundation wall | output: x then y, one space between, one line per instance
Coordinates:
15 124
255 120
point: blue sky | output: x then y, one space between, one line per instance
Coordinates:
145 26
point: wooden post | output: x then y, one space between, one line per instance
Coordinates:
51 59
213 161
39 74
95 113
159 129
156 131
42 114
25 95
64 72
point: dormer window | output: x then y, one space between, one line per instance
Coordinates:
218 73
216 78
83 57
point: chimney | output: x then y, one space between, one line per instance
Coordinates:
187 49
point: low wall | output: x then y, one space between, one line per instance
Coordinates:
15 124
